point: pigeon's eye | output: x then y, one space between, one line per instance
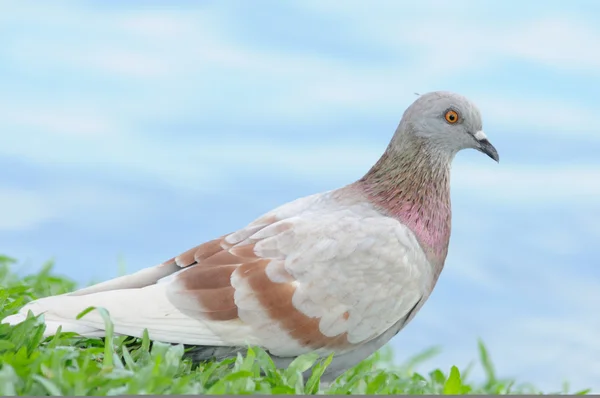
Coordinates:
451 117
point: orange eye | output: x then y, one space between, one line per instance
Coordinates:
451 117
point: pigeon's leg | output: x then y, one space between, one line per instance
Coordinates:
214 353
200 353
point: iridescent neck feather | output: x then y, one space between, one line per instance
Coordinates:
411 182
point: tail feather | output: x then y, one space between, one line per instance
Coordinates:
140 279
58 310
53 322
132 311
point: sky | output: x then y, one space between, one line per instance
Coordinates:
131 131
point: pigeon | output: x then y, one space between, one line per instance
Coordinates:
339 272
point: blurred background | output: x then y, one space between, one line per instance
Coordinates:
131 131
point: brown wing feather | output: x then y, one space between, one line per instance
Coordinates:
205 290
276 298
198 253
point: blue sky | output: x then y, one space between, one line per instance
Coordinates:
134 132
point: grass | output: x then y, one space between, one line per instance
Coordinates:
67 364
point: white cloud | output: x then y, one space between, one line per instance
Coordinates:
27 209
70 121
559 238
466 264
559 41
551 349
543 117
22 209
174 47
525 185
459 34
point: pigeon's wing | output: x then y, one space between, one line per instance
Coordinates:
308 276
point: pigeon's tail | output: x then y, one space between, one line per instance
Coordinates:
131 312
52 320
62 310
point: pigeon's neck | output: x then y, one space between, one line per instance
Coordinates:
411 182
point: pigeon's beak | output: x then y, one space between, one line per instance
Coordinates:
484 146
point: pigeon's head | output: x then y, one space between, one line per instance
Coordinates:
448 122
